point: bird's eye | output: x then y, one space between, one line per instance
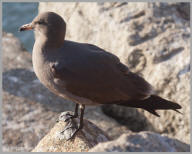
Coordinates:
41 22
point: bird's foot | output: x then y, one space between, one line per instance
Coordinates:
67 116
71 127
70 131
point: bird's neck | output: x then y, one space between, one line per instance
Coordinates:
53 42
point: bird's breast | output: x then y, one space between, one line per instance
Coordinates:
42 68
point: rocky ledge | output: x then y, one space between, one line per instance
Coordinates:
85 139
93 139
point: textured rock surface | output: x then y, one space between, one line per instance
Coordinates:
153 40
85 139
29 109
24 119
142 142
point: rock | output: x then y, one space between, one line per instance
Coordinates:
184 10
24 119
153 40
29 110
142 142
85 139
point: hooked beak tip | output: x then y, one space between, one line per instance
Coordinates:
26 27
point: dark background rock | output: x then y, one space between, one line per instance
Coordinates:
184 10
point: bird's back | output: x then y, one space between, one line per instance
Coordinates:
90 72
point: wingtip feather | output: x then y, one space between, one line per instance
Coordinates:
178 111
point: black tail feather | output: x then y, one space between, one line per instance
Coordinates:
152 104
178 111
153 112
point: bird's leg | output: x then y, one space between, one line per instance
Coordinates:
76 111
82 109
72 129
68 116
75 115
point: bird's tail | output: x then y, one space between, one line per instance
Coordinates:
152 103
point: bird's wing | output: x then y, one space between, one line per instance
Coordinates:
98 75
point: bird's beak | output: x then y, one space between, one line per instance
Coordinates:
26 27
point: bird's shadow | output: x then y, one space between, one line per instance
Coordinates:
130 117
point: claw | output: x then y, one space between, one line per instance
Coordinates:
70 130
66 116
73 134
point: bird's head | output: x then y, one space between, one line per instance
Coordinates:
48 24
